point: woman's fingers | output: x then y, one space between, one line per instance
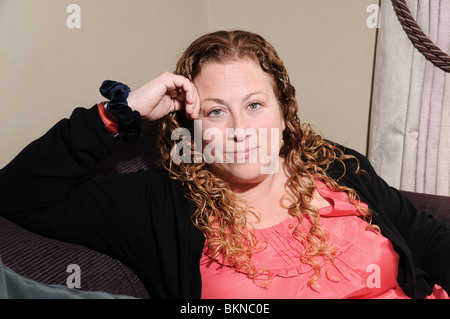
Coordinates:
193 110
184 95
165 94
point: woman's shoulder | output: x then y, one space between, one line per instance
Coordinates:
153 180
353 162
153 175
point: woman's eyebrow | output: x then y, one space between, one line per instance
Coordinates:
211 99
221 101
248 96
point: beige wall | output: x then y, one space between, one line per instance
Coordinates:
47 69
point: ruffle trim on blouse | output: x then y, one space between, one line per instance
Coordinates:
281 257
288 266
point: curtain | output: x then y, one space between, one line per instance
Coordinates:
409 136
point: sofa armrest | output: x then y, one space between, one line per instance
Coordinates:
46 260
436 205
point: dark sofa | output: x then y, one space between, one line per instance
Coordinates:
46 260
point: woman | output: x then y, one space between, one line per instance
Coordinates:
313 221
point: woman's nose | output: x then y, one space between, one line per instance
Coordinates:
239 134
238 130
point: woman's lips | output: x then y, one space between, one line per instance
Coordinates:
242 154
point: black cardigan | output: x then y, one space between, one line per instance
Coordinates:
143 218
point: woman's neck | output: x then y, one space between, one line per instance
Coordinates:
263 187
263 198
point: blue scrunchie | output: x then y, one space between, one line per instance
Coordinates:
130 129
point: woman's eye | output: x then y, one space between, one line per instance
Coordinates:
254 106
216 112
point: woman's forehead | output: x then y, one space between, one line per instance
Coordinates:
241 77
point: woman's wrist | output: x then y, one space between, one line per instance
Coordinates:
110 121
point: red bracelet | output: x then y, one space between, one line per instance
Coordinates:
111 123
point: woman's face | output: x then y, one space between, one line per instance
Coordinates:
240 120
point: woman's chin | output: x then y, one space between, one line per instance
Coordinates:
242 173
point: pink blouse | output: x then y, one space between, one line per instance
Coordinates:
365 266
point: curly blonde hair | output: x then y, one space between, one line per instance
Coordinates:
219 214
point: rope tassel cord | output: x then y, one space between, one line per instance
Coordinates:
422 43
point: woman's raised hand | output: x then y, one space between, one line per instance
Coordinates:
164 94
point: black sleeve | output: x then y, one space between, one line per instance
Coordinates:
427 238
47 189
